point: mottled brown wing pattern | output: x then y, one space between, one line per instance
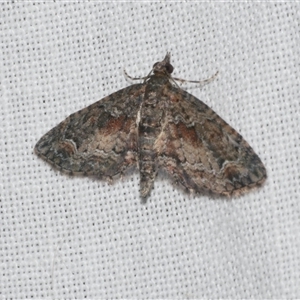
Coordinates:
99 140
155 124
202 152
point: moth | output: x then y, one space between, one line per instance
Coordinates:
152 125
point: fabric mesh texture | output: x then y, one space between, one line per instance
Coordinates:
73 237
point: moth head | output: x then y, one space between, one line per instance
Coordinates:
164 66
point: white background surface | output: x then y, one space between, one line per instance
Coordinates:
65 237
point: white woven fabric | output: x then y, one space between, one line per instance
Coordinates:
65 237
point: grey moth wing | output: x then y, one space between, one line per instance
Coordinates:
202 152
99 140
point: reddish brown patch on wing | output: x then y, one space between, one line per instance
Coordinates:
188 134
231 172
114 125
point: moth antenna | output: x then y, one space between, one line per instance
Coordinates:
133 78
201 82
174 81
